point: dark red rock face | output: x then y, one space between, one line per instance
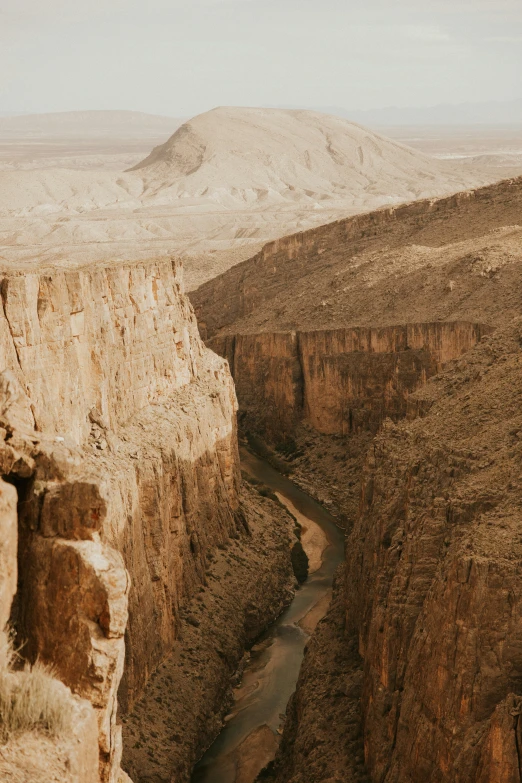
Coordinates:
341 381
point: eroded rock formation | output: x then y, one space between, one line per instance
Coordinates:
432 595
341 381
119 435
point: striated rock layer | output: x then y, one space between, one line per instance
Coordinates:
432 595
118 433
342 381
434 583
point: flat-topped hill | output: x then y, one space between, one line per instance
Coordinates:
248 156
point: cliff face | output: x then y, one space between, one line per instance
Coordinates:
433 588
340 381
424 668
26 754
118 430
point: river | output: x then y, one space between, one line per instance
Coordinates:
250 736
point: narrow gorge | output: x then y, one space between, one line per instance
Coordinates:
376 363
132 530
406 426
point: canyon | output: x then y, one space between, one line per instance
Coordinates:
374 360
417 665
414 673
118 431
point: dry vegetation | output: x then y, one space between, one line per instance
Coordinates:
31 699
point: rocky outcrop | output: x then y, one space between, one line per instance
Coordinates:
433 583
432 593
311 264
342 381
28 754
119 435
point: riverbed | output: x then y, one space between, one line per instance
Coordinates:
250 737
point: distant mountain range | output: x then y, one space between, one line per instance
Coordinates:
490 113
88 124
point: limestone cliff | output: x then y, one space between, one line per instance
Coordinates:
433 588
341 381
118 433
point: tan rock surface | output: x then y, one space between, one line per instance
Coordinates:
433 579
342 381
120 434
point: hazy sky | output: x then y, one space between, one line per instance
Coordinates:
180 57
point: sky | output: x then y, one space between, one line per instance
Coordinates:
181 57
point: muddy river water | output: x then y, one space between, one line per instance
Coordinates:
250 736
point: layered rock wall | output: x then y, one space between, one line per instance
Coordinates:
433 595
340 381
119 435
28 752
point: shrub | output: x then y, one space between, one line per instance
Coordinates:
31 699
259 447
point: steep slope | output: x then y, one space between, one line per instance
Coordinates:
227 179
433 587
118 432
446 259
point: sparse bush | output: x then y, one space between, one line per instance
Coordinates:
31 699
289 449
266 492
260 448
